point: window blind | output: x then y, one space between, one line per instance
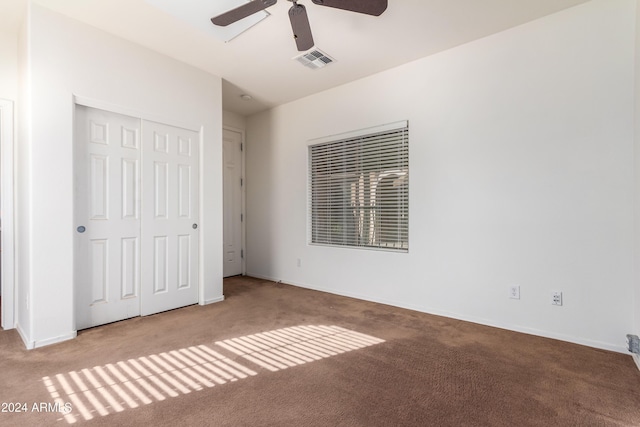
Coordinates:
359 191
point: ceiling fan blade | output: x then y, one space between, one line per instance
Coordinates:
240 12
368 7
301 28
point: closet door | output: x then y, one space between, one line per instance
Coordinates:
170 212
107 217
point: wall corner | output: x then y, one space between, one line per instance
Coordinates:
636 258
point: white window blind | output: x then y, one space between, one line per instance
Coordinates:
359 190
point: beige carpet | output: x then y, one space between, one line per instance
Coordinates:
276 355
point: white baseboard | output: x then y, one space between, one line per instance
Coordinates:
30 344
55 340
213 300
27 343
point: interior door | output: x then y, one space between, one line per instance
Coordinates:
232 203
170 229
107 216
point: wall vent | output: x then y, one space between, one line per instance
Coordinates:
314 59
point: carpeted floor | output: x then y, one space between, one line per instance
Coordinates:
276 355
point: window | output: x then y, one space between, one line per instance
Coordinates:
359 189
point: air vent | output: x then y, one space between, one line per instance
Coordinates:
314 59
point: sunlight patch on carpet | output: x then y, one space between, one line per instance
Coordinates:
117 387
283 348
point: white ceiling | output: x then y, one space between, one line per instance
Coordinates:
259 61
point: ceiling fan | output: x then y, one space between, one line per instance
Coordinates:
298 15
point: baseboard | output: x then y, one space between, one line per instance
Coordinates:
213 300
271 279
636 358
27 343
30 345
55 340
457 316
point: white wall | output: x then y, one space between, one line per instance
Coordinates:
8 66
9 75
23 188
9 86
521 156
69 58
234 120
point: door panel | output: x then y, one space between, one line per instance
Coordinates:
130 193
98 177
184 261
107 183
232 203
184 191
170 231
99 267
161 190
161 264
130 268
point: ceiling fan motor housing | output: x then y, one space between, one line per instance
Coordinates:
298 15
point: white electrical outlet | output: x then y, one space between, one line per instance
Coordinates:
514 292
556 298
299 262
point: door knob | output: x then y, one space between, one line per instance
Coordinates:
194 226
81 229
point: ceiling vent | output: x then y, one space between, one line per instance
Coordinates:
314 59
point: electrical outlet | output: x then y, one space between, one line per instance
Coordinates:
556 298
633 343
514 292
299 262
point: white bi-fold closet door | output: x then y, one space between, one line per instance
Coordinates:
136 217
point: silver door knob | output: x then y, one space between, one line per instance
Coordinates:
81 229
194 226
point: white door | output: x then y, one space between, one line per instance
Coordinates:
136 213
232 203
170 226
107 217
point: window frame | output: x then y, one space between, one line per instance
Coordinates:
346 137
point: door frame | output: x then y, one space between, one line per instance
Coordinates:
7 258
243 194
117 109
